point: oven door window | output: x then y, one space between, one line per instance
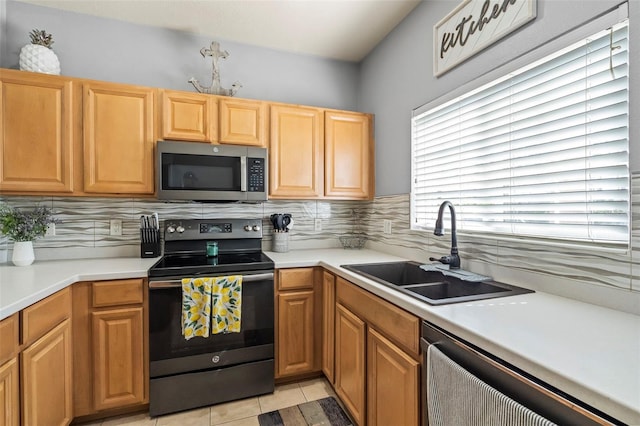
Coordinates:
165 329
201 172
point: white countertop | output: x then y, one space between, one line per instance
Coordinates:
21 286
587 351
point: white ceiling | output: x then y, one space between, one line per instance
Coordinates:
337 29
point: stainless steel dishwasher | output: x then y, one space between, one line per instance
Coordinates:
543 400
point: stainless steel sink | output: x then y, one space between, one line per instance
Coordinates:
432 287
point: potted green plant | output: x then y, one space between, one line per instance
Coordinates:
23 227
38 56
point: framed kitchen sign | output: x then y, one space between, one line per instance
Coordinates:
475 25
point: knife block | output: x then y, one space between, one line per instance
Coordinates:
150 242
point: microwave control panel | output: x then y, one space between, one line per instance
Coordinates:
256 171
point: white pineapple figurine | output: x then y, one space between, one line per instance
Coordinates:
38 56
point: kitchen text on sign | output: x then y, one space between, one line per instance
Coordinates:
475 25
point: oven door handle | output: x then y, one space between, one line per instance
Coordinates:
178 283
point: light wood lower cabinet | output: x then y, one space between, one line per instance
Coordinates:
392 383
118 358
297 322
9 393
110 346
351 362
328 324
46 379
377 358
36 368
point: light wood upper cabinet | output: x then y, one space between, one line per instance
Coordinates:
189 116
119 137
36 132
242 121
348 154
296 152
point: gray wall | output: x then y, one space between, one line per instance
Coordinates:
110 50
398 75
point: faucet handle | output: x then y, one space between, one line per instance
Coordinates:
453 261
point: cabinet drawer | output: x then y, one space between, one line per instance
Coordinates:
295 278
8 337
115 293
41 317
396 324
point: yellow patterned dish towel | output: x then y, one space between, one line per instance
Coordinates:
226 305
196 307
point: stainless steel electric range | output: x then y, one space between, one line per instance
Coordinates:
186 374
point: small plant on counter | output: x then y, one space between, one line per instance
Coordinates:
25 225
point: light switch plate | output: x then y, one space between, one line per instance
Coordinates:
317 225
387 226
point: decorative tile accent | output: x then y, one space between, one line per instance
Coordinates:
85 224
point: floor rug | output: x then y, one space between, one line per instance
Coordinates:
325 412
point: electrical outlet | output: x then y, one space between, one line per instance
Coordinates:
51 230
317 225
387 226
115 227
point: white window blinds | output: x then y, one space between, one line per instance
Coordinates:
542 152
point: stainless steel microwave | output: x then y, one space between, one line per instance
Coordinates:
207 172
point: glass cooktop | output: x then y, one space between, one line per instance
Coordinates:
183 265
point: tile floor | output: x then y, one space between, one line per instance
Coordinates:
237 413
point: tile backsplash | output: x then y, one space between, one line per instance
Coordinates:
83 232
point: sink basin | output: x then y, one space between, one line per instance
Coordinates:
432 287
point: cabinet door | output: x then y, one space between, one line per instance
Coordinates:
392 383
350 362
189 116
36 133
9 394
46 379
118 357
243 122
295 333
348 156
328 324
118 138
296 152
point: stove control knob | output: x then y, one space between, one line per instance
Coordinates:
247 228
171 229
180 229
256 228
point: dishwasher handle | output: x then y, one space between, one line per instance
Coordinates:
177 283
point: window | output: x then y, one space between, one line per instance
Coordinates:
541 152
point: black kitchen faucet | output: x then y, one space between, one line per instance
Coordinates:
452 260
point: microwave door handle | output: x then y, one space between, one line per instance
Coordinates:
243 173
